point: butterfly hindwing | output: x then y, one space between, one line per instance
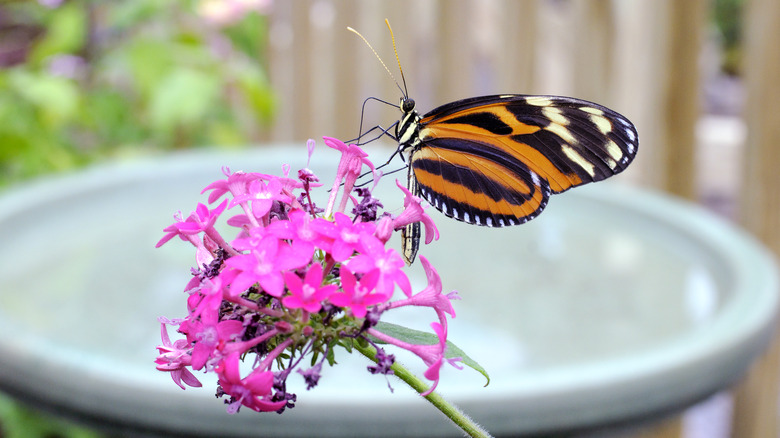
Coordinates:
464 180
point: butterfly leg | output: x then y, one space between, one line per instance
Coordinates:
361 134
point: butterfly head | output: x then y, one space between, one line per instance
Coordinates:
407 105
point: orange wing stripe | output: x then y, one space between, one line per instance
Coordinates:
530 156
516 197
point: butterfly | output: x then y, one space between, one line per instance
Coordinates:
496 160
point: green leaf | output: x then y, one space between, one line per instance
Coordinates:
418 337
149 61
57 98
183 98
125 15
249 35
257 91
66 32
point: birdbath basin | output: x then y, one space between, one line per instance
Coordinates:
615 305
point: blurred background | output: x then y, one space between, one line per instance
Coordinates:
84 81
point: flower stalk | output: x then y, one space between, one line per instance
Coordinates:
460 419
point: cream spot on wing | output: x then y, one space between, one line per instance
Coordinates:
538 101
614 151
591 110
575 157
555 115
602 123
562 132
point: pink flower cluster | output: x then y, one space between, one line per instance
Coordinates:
295 282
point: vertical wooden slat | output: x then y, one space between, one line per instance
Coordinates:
323 72
639 64
455 52
281 42
680 95
595 30
762 67
553 65
300 98
517 46
756 406
373 80
348 49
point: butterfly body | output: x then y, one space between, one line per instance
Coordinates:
495 160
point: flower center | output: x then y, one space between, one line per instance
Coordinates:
349 236
308 290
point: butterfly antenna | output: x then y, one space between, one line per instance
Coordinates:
380 59
403 79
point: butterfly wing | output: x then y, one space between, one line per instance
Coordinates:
494 160
476 184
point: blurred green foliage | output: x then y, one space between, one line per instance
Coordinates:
21 422
727 17
85 79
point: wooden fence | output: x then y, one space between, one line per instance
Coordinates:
640 57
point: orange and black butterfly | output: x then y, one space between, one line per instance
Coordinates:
495 160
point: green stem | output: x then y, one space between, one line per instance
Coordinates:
461 420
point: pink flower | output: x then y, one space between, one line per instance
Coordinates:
307 231
358 295
51 4
346 235
262 196
206 298
264 265
304 272
67 66
309 293
236 184
251 239
374 255
432 355
227 12
208 334
174 358
352 160
414 212
253 391
431 296
384 228
200 220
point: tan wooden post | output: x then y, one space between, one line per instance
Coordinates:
680 110
756 409
594 27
